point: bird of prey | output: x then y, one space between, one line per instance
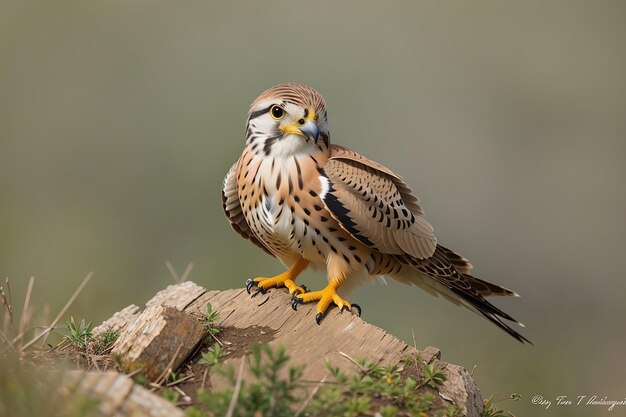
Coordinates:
308 202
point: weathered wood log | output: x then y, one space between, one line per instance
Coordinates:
158 341
162 336
170 327
119 320
118 395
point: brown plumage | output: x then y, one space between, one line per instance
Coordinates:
308 202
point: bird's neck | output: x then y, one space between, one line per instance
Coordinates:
286 146
278 176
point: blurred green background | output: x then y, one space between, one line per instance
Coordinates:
119 119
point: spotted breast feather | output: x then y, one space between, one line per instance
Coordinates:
233 211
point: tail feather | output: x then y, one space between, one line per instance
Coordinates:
439 274
492 313
459 262
464 267
488 289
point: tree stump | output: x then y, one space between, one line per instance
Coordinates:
159 339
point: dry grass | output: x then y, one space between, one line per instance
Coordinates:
31 371
13 335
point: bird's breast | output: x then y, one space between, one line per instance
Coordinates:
280 198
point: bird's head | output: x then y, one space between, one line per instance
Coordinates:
288 119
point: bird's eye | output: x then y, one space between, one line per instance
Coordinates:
301 122
277 112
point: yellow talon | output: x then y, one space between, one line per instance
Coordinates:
324 298
294 288
286 279
282 280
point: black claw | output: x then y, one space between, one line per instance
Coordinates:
358 307
343 307
249 284
295 301
318 318
295 298
259 290
304 288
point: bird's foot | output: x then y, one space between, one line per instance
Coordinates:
325 298
285 279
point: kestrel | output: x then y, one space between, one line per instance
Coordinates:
308 202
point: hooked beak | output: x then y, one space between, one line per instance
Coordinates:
310 131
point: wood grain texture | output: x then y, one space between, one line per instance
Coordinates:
160 338
118 395
310 344
152 338
119 320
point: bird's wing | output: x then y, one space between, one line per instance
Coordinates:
233 211
374 205
410 200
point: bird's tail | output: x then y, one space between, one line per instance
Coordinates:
464 267
447 274
488 289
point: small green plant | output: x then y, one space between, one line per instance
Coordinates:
212 356
171 395
195 412
104 342
375 389
432 376
141 379
173 376
211 319
490 409
388 391
79 335
268 394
